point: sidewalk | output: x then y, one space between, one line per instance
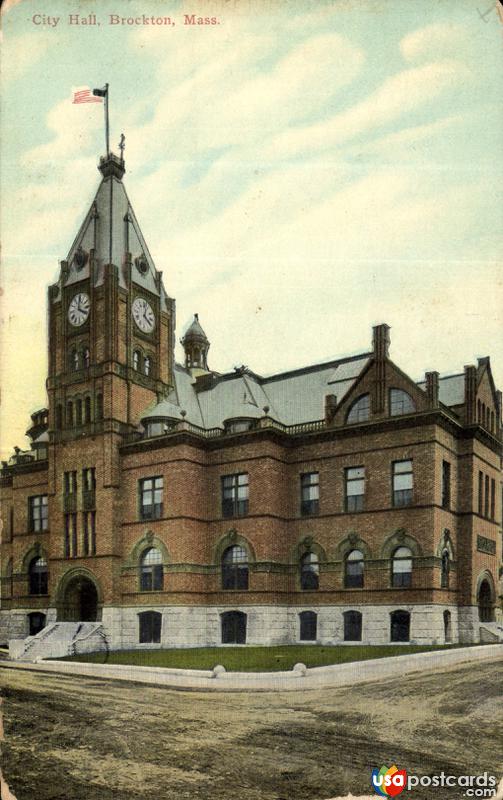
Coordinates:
297 679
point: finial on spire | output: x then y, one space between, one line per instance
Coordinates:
122 146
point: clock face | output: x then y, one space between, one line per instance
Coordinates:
143 315
78 310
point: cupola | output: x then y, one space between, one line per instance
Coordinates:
196 345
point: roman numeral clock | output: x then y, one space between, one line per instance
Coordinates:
78 309
143 315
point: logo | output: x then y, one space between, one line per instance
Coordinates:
389 782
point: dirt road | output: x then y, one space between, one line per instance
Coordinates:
82 739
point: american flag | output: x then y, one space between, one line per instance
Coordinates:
85 96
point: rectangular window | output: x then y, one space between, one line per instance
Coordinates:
486 496
88 488
38 516
493 498
89 479
150 627
403 483
446 484
481 493
309 493
71 545
150 491
89 533
70 482
235 495
355 488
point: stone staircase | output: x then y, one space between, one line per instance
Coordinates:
60 639
491 632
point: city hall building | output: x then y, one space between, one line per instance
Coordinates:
175 506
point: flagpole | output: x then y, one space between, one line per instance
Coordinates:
107 122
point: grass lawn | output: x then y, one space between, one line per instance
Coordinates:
252 659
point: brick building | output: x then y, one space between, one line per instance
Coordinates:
180 506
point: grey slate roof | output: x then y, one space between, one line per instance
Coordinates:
114 237
292 397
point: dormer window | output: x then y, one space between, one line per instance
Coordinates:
400 403
360 410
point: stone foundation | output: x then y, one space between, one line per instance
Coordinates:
193 626
200 626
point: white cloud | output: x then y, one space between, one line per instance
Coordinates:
397 96
20 53
443 38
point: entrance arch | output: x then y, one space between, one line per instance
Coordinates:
485 602
79 598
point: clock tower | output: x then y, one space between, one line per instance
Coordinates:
111 323
111 350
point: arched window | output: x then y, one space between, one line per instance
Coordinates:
78 412
400 626
488 419
445 569
59 417
352 626
308 626
353 573
492 421
147 365
87 409
309 571
136 360
360 410
401 571
69 414
86 357
36 622
235 568
233 627
479 412
400 403
150 627
99 406
447 626
151 570
37 576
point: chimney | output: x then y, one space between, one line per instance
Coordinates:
432 388
381 341
470 394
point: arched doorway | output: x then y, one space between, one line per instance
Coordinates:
485 602
79 601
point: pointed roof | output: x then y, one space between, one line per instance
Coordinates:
110 229
195 331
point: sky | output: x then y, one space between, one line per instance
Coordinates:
301 171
